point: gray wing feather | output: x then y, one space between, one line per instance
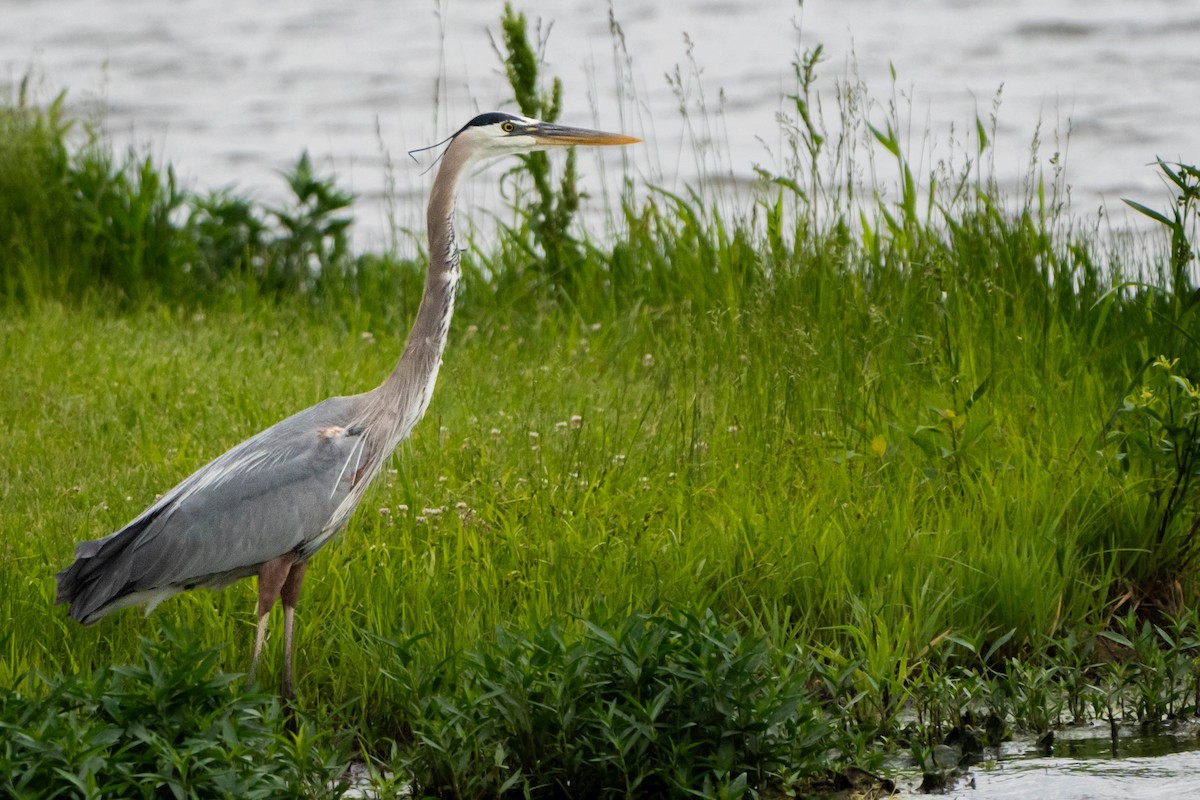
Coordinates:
280 491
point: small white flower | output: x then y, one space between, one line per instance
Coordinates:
648 360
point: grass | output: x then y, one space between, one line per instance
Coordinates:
907 444
678 484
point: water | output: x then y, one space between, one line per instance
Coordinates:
1176 775
1149 767
231 93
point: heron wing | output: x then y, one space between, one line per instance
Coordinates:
280 491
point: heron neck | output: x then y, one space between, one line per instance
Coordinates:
407 391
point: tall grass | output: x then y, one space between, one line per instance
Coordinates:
897 426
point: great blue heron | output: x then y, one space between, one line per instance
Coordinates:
264 507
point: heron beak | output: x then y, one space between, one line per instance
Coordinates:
549 135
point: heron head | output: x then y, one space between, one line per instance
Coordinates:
498 134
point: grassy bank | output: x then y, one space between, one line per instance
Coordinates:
917 448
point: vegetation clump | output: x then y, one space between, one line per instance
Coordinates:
170 726
81 222
668 706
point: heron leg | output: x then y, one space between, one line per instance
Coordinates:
271 578
290 594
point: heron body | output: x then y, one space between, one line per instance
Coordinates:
266 506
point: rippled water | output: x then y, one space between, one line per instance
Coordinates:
1082 768
1145 778
231 93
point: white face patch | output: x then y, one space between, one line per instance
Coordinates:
493 141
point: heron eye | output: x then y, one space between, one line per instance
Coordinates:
508 127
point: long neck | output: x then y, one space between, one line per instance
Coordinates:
405 395
432 324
